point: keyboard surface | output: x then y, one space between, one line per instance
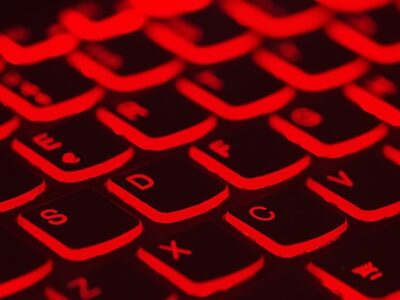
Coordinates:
200 149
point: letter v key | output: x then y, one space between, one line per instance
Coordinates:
342 179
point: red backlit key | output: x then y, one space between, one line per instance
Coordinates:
21 266
158 120
204 37
228 91
170 8
323 124
354 5
78 150
81 226
277 18
365 270
8 122
202 260
366 188
171 190
311 62
126 63
252 159
100 20
48 90
18 184
371 35
289 223
378 94
118 280
392 150
29 32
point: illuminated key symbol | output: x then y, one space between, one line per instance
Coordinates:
175 250
306 117
131 110
381 86
368 270
269 215
342 179
221 148
46 142
209 79
290 51
70 158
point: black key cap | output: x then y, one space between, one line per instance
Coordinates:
48 90
120 64
162 9
378 94
100 20
18 184
354 5
366 270
228 91
171 190
311 62
252 159
118 280
275 18
29 32
289 287
158 120
289 223
362 188
21 266
8 122
371 34
70 152
203 37
202 260
323 123
81 226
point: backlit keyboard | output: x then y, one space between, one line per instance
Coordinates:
186 149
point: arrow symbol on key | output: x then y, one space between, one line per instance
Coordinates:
342 179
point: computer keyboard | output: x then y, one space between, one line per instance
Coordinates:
187 149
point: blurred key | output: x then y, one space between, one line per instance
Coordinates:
21 267
202 260
354 5
204 37
274 18
367 196
371 34
378 93
289 223
18 184
365 270
126 63
157 120
8 122
323 123
101 20
228 91
29 32
48 90
116 280
252 159
311 62
171 190
163 9
69 152
81 226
